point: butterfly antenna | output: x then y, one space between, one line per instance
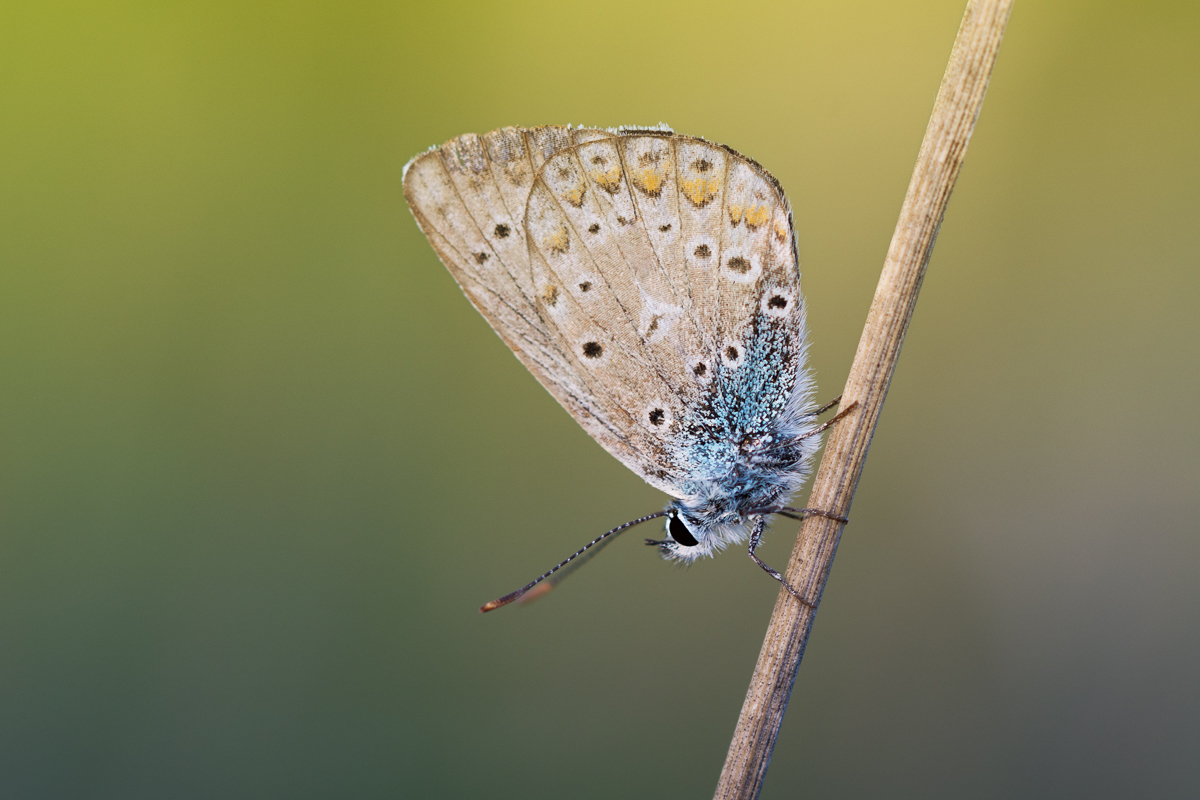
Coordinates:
519 593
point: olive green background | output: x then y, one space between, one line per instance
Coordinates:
260 461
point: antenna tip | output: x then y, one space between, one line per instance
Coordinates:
524 595
503 601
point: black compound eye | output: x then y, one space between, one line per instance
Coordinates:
680 533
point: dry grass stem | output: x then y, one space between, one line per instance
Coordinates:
941 157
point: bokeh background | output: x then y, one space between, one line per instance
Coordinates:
260 461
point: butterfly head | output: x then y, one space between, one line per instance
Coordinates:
693 533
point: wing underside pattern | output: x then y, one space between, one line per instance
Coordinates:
648 280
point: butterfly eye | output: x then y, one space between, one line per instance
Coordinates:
680 533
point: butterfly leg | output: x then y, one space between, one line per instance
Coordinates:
825 407
755 541
798 513
830 424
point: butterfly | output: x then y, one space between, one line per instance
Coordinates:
650 282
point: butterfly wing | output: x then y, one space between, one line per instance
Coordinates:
760 312
648 280
468 197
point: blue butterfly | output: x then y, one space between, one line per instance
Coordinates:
650 282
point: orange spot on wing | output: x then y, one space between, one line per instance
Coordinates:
575 194
757 215
558 242
753 216
650 180
607 179
701 191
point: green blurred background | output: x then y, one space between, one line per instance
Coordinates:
260 461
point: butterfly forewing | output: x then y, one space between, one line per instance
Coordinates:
489 259
624 279
580 302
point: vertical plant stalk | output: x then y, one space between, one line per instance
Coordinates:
958 102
